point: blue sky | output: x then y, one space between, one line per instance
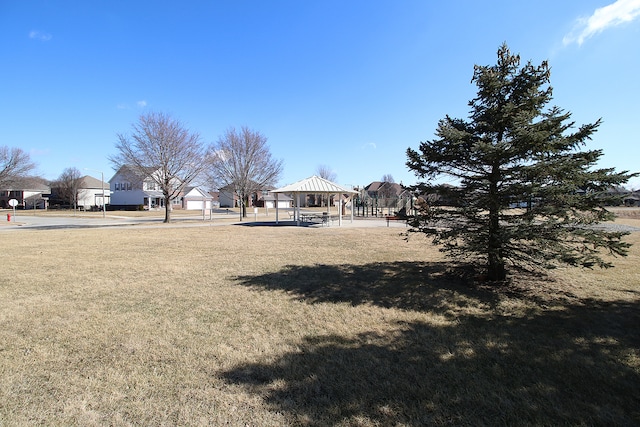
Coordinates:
346 84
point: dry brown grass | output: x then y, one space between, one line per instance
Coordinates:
626 212
238 325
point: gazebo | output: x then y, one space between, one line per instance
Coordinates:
312 185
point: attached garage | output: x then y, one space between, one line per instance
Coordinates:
196 199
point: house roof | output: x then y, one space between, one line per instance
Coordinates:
153 193
617 189
374 186
377 186
131 173
196 193
30 183
91 182
312 185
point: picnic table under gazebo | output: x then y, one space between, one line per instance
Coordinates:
313 185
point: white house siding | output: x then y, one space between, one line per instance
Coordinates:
131 197
194 204
133 193
282 204
196 199
197 204
92 197
33 199
27 194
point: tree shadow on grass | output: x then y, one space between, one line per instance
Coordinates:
404 285
561 368
575 363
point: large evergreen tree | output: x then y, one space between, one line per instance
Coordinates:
513 151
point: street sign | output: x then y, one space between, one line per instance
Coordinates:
13 203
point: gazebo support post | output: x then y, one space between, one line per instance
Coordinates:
352 209
297 208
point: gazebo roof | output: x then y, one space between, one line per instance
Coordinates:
312 185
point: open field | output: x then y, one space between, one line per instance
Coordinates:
239 325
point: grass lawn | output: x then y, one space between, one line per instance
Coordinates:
236 325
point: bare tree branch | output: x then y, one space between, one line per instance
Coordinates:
15 164
241 160
162 149
67 186
325 172
388 178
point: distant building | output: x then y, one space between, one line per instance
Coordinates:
383 198
30 192
229 199
632 199
92 194
268 200
194 198
384 190
131 189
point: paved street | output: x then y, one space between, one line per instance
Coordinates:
30 220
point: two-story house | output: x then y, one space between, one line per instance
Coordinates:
131 189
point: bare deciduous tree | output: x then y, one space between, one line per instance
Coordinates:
15 164
68 185
388 178
325 172
241 160
388 191
162 149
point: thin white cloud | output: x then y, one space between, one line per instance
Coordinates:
370 146
125 106
38 35
603 18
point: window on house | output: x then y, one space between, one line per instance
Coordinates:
128 186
